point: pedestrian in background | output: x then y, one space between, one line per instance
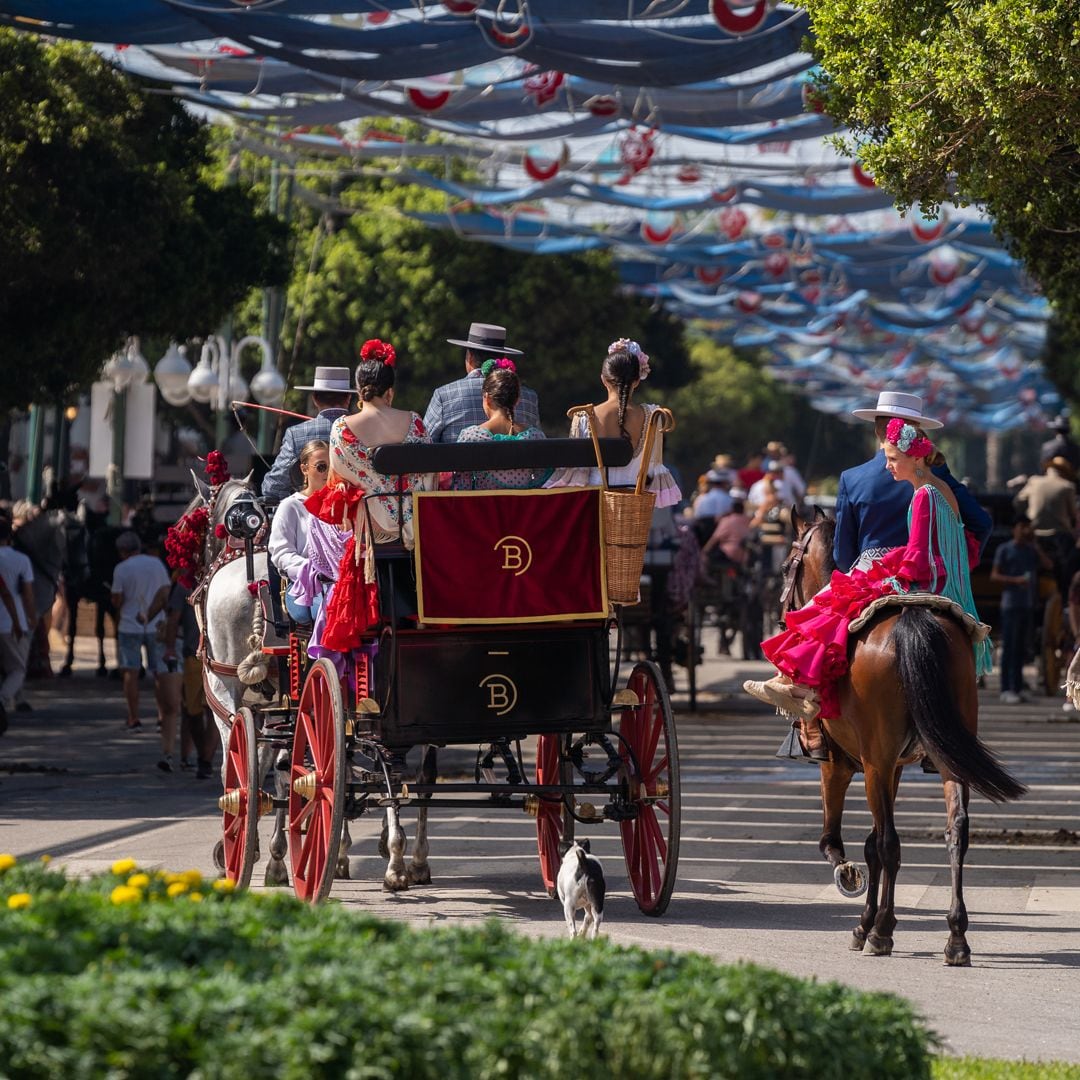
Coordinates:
15 627
1016 568
140 589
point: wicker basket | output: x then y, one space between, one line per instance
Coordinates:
627 520
627 515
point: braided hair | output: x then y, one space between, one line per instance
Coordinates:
502 387
622 370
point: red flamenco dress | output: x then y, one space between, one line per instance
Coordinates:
360 499
813 650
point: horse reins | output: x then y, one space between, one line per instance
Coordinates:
791 574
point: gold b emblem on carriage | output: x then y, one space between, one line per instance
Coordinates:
502 693
516 553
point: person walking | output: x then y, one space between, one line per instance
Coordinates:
17 577
1049 501
1016 569
331 394
140 590
460 404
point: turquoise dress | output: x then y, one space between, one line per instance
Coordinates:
950 563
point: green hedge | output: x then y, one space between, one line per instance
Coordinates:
112 976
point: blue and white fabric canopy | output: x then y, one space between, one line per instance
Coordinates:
682 136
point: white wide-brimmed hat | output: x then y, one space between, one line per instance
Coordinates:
906 406
486 337
331 380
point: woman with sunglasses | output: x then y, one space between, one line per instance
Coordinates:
292 522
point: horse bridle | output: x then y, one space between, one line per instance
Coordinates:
791 571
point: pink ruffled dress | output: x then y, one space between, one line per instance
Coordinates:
813 650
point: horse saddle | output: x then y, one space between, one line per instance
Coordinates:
978 631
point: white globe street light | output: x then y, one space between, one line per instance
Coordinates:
203 381
171 375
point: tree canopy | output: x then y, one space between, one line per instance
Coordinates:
968 102
110 223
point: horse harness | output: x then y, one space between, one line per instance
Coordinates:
791 572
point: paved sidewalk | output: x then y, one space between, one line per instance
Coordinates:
75 785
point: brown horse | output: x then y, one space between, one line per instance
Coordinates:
910 688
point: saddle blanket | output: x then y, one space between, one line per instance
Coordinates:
978 631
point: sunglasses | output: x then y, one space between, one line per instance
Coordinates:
320 466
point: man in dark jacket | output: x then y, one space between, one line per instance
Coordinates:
331 394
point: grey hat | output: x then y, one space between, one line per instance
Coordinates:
486 337
330 380
906 406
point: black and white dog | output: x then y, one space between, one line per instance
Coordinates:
581 885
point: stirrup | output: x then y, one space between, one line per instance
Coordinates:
792 748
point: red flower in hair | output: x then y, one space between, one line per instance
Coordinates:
383 351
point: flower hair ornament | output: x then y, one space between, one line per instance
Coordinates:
503 363
383 351
906 438
635 350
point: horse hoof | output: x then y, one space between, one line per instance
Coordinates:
878 946
219 856
858 939
395 882
341 871
276 874
419 875
957 957
849 879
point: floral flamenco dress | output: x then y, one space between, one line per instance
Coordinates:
813 650
498 479
375 509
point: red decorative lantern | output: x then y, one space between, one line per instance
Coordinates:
543 86
926 232
377 18
773 240
726 195
688 174
812 99
811 294
461 7
862 177
602 105
428 102
709 275
636 150
540 167
748 302
776 264
943 271
732 221
659 228
727 16
510 39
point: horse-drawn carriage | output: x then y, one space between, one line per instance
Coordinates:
495 630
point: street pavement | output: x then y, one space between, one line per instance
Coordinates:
752 886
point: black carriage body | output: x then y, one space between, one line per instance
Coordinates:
475 686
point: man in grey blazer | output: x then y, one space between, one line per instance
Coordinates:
331 394
460 404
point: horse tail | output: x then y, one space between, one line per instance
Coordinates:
922 651
256 665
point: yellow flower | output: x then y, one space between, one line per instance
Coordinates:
122 867
139 881
192 877
46 859
177 888
125 894
225 885
18 900
6 862
196 897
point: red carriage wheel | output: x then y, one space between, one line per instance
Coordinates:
549 815
317 783
651 753
240 801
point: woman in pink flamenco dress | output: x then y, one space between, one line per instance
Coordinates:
811 655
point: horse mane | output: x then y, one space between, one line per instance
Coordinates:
827 532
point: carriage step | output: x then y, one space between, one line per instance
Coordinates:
275 650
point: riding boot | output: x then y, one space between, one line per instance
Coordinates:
813 738
788 697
